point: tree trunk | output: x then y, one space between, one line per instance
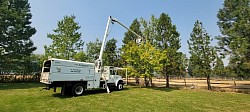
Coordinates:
185 82
15 78
145 81
167 81
167 77
151 82
208 83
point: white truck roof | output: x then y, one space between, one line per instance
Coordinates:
62 62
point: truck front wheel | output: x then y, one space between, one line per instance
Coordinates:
78 89
119 86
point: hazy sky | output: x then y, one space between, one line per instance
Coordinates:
92 16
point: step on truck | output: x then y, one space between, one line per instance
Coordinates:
75 77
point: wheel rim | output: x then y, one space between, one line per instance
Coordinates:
79 90
120 86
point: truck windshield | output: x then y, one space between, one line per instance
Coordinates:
112 72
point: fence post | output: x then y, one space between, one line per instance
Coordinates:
234 86
185 82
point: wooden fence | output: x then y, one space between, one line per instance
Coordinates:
19 78
223 85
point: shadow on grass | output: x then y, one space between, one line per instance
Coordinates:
9 86
156 87
88 92
62 96
164 88
240 88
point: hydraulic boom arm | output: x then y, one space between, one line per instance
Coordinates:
98 62
115 20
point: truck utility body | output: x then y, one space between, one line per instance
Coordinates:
66 70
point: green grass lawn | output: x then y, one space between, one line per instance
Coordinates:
27 97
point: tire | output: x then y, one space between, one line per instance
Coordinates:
119 86
78 89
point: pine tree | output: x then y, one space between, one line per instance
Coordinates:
234 24
109 54
15 33
202 53
167 39
66 40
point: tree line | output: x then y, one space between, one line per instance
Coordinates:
156 54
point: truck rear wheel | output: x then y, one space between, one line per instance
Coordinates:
78 89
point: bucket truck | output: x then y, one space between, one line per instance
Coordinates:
75 77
